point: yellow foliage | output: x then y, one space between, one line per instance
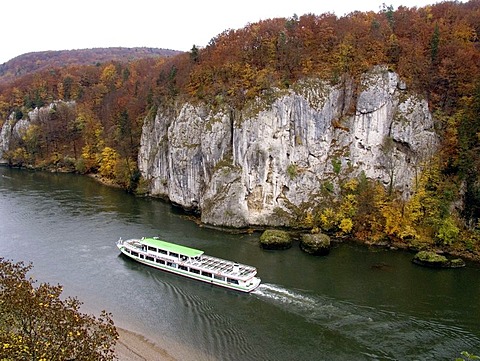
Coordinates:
109 75
4 107
328 219
393 219
309 220
424 203
351 185
89 158
19 156
108 162
344 54
348 207
17 98
346 225
465 33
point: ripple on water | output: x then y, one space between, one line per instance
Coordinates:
214 328
381 334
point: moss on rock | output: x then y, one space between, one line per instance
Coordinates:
457 263
316 244
432 259
275 239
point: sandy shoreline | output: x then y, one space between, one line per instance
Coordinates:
132 346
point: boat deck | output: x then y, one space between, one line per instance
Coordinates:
218 265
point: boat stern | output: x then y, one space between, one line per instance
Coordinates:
253 283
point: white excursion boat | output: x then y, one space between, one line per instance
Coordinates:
190 262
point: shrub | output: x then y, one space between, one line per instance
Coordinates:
275 239
448 231
37 324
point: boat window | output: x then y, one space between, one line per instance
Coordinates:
150 248
160 261
220 278
173 254
174 265
142 256
194 270
134 254
149 258
207 274
183 267
231 280
162 251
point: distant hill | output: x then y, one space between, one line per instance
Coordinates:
37 61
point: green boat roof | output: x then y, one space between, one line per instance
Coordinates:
172 247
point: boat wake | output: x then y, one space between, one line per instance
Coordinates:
313 308
377 334
214 330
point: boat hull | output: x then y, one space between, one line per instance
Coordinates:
141 257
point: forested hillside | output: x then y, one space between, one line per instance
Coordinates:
44 60
435 50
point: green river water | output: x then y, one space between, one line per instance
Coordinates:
355 304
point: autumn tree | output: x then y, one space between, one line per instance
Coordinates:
36 323
108 162
369 222
468 158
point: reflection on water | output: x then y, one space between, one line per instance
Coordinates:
352 305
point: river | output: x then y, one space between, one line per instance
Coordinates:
354 304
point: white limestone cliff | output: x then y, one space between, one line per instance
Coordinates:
250 167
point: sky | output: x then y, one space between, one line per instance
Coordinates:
34 25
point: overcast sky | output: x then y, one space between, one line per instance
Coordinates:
34 25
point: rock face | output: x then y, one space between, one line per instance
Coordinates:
13 129
260 165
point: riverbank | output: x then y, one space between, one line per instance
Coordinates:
132 346
135 346
466 247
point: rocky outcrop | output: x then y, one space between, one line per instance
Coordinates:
14 129
266 163
11 130
317 244
275 239
434 260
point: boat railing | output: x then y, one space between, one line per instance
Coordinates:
227 267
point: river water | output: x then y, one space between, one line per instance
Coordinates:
355 304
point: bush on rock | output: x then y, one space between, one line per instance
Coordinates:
432 259
275 239
316 244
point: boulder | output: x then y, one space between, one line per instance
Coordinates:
316 244
435 260
275 239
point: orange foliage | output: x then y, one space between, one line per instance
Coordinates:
435 49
